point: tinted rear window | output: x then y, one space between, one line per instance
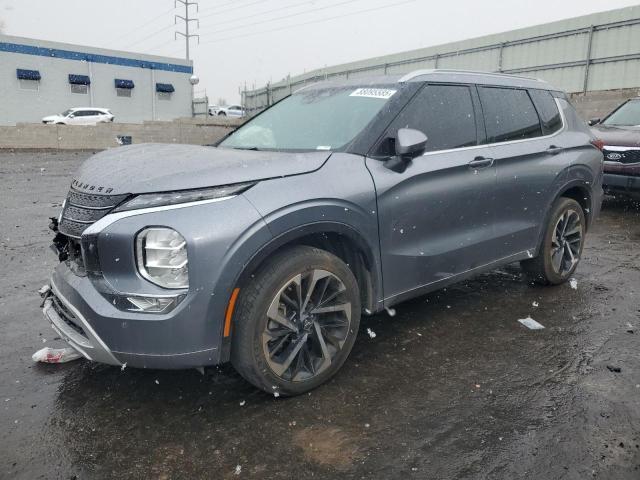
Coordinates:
444 113
547 110
509 114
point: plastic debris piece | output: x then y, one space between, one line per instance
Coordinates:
238 469
614 369
157 382
242 403
391 311
371 333
530 323
124 365
574 283
56 355
535 304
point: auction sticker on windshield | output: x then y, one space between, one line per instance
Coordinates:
384 93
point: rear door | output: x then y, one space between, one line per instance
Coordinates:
528 157
436 217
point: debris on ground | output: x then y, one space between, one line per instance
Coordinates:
630 328
391 311
371 333
157 382
238 469
535 304
574 283
124 365
530 323
614 369
56 355
242 403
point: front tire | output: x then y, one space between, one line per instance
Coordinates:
296 322
562 244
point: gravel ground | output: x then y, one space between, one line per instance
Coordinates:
452 387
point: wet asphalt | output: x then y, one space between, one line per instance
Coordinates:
452 387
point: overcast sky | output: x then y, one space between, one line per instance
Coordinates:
250 41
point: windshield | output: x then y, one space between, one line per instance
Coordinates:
627 115
313 119
65 113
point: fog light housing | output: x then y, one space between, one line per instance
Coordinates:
161 254
152 304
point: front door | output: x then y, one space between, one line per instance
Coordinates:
436 217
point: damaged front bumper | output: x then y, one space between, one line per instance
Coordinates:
69 323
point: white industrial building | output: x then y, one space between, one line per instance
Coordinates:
39 78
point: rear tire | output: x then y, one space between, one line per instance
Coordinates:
561 246
296 321
222 114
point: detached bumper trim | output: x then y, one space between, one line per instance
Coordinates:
90 346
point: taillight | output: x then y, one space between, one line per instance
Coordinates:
599 144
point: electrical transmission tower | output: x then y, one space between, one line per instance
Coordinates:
187 21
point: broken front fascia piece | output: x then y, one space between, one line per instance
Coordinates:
531 324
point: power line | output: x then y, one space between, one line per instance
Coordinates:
232 9
260 22
137 29
244 17
150 35
286 27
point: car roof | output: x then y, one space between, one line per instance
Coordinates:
440 75
79 109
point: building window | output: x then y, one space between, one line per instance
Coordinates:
78 88
33 85
123 87
164 91
79 83
28 79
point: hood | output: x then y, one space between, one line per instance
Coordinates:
620 136
146 168
51 118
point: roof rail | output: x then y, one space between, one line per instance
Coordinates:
417 73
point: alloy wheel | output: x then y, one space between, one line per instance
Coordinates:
307 325
566 242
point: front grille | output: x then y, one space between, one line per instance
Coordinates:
83 209
621 156
66 315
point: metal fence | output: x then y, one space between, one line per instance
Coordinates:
595 56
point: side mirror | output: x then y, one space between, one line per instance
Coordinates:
593 121
71 115
410 143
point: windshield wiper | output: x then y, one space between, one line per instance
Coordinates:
247 148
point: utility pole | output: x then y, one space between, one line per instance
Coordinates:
187 22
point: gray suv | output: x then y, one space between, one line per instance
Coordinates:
344 198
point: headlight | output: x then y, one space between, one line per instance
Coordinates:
162 257
149 200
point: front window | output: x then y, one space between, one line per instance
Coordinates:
312 119
627 115
66 112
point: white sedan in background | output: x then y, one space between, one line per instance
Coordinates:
81 116
231 111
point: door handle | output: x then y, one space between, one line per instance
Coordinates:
480 162
554 150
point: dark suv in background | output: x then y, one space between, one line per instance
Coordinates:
345 197
620 134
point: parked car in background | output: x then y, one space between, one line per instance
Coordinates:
81 116
620 134
213 109
344 198
231 111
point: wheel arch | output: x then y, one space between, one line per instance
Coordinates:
337 238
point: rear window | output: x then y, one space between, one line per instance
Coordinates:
509 114
547 111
